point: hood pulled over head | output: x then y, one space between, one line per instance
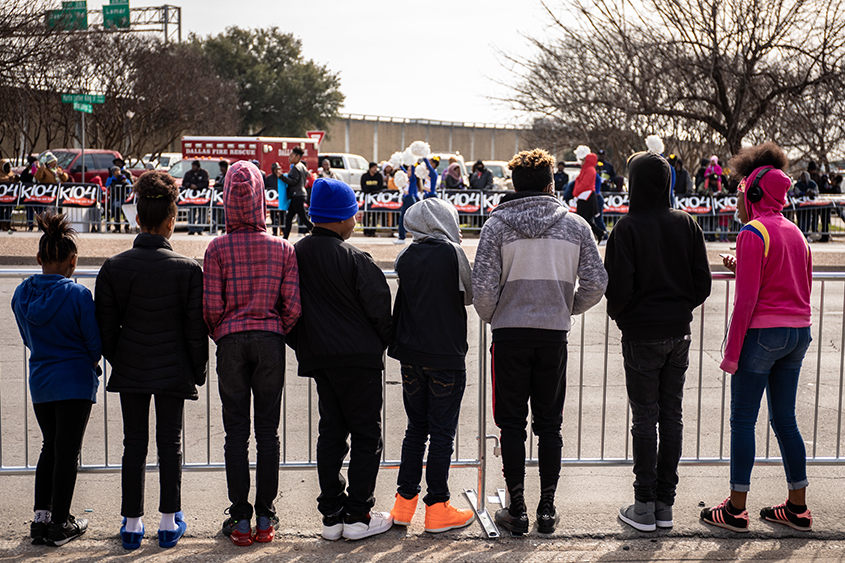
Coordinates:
243 198
775 184
433 218
649 182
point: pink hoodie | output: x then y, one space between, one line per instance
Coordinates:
774 273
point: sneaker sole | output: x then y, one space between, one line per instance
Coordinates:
401 523
365 534
638 525
664 523
512 529
790 524
447 528
60 543
725 526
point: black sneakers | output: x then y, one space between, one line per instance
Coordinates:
720 516
783 515
547 517
38 532
60 534
516 525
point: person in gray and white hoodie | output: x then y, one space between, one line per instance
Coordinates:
536 266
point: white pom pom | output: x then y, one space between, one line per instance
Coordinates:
401 179
421 170
420 149
409 158
581 152
395 160
654 144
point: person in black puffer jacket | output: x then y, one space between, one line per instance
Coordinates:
149 309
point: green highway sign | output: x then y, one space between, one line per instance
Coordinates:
75 19
76 5
116 15
79 106
84 98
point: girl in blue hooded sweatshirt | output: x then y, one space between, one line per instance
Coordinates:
56 320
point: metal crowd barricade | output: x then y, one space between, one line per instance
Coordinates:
596 424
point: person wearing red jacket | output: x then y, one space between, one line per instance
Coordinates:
250 302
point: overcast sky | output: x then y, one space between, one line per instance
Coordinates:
368 41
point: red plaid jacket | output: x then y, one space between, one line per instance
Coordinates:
251 279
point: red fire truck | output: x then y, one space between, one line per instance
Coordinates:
266 150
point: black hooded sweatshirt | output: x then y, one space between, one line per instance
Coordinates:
656 259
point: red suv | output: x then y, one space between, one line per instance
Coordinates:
97 163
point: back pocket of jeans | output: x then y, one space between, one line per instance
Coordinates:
773 339
410 381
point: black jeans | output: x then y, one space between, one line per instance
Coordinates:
297 207
350 404
251 369
277 220
654 374
63 426
136 437
522 373
432 400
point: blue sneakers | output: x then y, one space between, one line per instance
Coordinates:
168 538
130 540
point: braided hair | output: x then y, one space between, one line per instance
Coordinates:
157 194
58 242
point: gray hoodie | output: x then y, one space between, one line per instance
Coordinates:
434 218
531 253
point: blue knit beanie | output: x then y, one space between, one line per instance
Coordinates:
332 201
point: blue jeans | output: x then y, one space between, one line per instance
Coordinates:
770 361
432 400
407 202
654 375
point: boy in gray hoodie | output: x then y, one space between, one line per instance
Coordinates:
430 341
531 255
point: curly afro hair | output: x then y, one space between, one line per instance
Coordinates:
749 159
157 194
532 170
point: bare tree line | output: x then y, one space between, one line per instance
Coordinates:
706 75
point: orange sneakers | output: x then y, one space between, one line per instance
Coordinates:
403 510
442 517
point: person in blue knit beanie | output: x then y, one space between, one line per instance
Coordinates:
340 341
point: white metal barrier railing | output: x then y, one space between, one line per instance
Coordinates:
588 424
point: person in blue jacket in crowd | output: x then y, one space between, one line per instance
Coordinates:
55 317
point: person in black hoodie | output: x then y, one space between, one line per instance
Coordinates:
430 341
658 273
149 309
339 341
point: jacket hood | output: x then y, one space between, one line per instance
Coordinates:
433 218
243 198
649 182
775 184
530 214
41 296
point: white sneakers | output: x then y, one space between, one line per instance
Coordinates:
399 241
380 522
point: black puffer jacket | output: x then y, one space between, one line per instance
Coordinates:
149 308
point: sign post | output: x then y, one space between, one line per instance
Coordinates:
83 103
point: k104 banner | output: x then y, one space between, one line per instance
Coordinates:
56 195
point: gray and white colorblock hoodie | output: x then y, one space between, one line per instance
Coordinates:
536 265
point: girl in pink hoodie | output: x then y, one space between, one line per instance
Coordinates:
768 336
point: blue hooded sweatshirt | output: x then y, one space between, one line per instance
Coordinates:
56 320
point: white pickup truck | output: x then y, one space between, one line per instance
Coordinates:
349 167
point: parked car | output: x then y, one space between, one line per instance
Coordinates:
501 174
349 167
97 163
210 165
164 161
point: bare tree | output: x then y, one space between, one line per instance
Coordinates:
723 64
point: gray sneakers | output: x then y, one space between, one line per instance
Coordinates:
663 515
639 515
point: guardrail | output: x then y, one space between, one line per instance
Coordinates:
594 432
